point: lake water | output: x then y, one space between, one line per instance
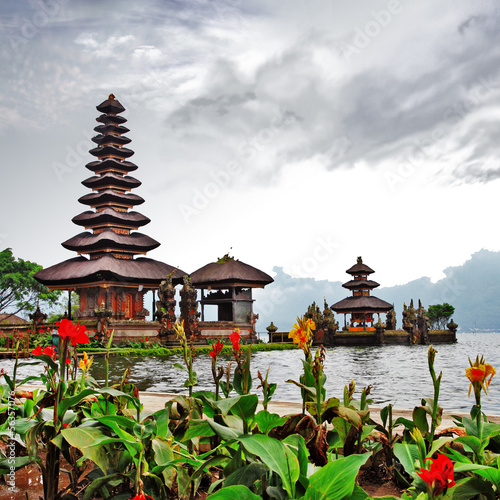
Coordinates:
398 374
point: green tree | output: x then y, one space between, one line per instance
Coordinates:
19 290
439 315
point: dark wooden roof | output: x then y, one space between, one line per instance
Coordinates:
359 304
109 196
360 284
110 150
110 105
111 139
111 119
79 271
360 269
111 127
111 164
229 273
110 179
109 240
131 220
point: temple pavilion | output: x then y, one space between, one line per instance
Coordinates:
226 286
107 274
361 305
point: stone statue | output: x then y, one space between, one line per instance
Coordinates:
452 326
423 324
189 307
165 307
390 319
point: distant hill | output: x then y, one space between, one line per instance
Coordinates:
472 288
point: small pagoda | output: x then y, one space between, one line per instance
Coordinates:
227 285
111 281
361 305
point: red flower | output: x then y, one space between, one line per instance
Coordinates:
50 351
3 372
141 496
216 349
68 361
76 333
440 476
235 339
37 351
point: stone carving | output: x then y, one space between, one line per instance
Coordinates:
165 307
189 307
390 320
326 326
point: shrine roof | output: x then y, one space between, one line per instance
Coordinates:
360 268
110 179
110 150
111 196
103 139
109 240
111 119
111 216
80 270
231 273
110 105
359 304
357 284
111 127
111 164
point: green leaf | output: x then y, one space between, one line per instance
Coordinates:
437 444
267 421
472 442
225 433
407 454
6 464
83 439
420 419
162 451
276 456
238 491
198 428
337 479
246 475
491 474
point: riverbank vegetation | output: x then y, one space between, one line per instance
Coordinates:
219 444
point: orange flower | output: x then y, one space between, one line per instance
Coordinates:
301 332
478 373
85 362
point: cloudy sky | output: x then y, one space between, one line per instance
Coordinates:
298 134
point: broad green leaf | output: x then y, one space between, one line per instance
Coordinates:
407 454
420 419
83 439
360 494
198 428
276 456
491 474
437 444
162 450
246 475
267 421
239 492
225 433
472 442
337 479
6 464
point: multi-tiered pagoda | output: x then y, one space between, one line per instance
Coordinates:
361 305
111 278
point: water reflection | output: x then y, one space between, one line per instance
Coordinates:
398 374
